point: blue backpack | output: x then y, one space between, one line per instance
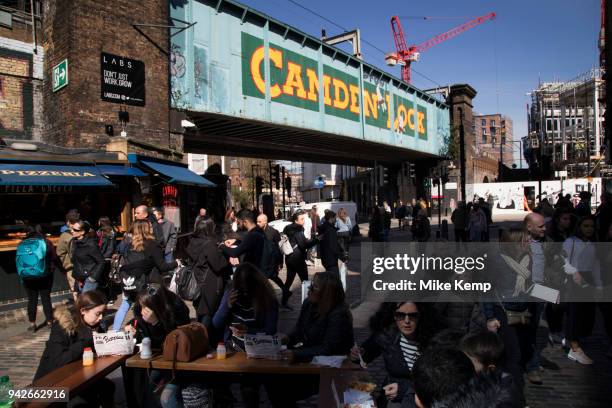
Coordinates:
31 258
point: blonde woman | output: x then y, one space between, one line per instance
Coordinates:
143 262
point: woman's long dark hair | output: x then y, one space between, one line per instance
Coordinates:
159 299
331 293
555 233
252 284
205 229
87 301
384 319
578 230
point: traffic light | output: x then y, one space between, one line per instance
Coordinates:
259 183
385 175
288 185
276 170
412 170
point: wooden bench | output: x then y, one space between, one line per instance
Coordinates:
76 377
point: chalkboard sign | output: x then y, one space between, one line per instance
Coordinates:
123 80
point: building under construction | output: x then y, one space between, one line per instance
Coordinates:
566 128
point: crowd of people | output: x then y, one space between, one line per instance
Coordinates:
434 354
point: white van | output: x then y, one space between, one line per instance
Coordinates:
335 206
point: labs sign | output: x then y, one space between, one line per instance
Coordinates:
122 79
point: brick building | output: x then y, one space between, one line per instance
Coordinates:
76 115
21 71
493 136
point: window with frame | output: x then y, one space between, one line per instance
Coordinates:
492 122
483 122
484 138
484 130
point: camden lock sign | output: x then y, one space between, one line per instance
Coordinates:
295 81
122 79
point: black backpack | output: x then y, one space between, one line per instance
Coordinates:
130 281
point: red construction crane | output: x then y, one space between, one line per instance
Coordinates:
406 55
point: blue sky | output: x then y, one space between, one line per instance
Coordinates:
502 59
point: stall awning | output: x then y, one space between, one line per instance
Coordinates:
50 174
178 174
119 170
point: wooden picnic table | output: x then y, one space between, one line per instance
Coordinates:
235 363
332 381
76 377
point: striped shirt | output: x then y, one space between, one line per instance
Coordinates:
410 350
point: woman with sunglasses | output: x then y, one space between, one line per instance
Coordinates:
157 312
324 328
87 261
400 331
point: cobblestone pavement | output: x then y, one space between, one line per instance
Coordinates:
572 386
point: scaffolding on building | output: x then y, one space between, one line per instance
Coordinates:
565 126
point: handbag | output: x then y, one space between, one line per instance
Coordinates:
523 317
185 343
187 283
285 246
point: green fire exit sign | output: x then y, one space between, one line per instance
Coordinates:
60 75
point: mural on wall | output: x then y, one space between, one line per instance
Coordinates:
512 196
178 68
16 94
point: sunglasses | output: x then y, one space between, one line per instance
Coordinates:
401 316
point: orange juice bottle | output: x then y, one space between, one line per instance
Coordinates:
88 356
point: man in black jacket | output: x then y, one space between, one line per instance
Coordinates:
331 251
273 236
252 244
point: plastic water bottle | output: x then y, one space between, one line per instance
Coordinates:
145 349
88 356
5 386
221 351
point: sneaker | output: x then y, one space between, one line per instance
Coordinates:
534 377
579 356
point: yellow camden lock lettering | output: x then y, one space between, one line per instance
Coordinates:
304 83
